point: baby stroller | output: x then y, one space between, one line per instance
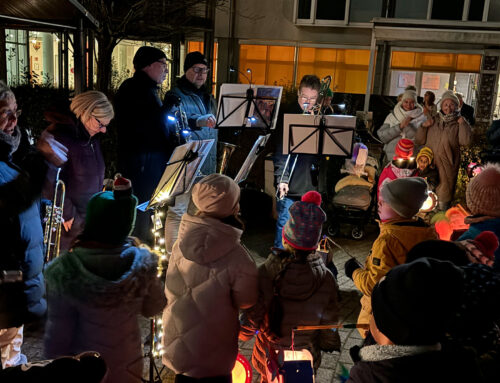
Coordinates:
355 194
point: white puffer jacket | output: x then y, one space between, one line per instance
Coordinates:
210 277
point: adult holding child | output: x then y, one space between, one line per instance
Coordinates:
402 122
444 134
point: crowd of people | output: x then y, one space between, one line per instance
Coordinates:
427 305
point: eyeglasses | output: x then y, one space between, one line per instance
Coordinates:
162 62
310 100
101 125
10 115
201 70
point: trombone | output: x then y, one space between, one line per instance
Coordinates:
53 221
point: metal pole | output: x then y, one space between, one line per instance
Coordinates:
371 66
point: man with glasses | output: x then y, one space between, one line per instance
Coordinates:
305 175
199 105
145 142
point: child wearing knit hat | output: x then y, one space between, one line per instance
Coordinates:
401 200
426 168
97 291
412 307
296 288
483 201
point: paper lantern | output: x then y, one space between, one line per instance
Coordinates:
297 367
242 371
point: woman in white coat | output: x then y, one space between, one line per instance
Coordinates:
402 122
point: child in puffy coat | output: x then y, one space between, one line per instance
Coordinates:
295 288
96 291
210 276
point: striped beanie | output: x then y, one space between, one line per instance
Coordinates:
302 231
404 149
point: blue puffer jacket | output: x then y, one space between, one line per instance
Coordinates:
195 103
21 236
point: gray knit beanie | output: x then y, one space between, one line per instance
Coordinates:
405 195
483 192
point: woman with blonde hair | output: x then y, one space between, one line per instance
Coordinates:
78 128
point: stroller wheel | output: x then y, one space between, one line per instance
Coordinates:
357 232
332 229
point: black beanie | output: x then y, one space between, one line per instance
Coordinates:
414 303
194 58
440 250
147 55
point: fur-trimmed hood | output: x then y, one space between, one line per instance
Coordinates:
376 352
87 274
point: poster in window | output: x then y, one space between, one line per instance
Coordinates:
405 79
431 81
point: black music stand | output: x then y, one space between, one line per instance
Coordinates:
257 148
178 177
243 107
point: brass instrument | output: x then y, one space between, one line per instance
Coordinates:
226 150
53 221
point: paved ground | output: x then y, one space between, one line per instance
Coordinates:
258 240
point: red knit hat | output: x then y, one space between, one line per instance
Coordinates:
487 243
404 149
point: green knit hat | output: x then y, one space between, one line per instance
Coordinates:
111 214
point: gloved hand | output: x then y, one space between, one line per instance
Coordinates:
206 120
350 266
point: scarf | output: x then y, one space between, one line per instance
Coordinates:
401 114
449 117
10 141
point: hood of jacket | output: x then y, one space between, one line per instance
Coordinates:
206 239
71 275
296 280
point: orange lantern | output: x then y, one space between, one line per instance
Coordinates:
242 371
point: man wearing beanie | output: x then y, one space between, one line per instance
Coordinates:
483 201
197 102
97 291
401 200
412 307
444 134
402 122
295 288
145 142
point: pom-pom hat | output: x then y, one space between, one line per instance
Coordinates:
404 149
487 243
302 231
111 214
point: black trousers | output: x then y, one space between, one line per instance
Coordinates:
179 378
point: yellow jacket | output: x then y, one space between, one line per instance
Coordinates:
396 238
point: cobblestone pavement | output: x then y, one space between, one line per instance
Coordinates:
258 241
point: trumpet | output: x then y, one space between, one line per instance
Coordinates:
53 221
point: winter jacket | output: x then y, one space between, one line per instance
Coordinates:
210 276
445 139
305 176
145 142
396 238
307 295
21 233
83 173
390 132
468 112
94 298
479 224
195 103
413 364
431 175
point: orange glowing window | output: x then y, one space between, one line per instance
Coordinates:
436 62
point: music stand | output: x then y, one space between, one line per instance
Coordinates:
257 148
241 106
321 135
178 177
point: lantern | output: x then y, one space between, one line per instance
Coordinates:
297 367
430 203
242 371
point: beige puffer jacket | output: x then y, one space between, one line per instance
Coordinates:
210 277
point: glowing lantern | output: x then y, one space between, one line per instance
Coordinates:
242 371
297 365
430 203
